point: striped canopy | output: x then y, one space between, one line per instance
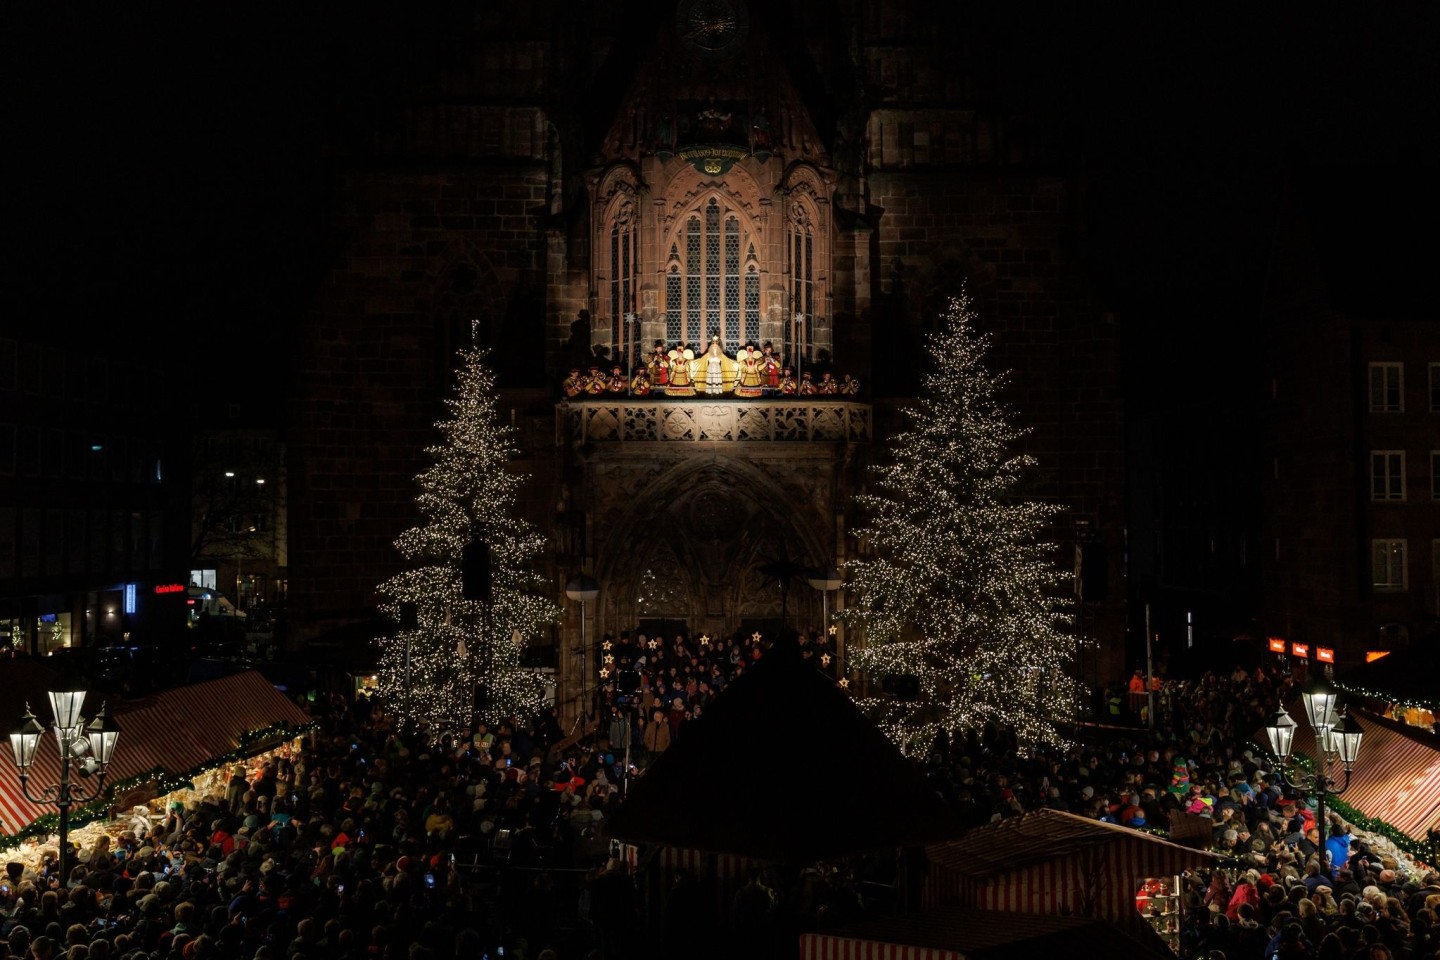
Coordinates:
1396 777
966 933
171 733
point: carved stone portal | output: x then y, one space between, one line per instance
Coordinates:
678 522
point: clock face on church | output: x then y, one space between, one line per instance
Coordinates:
712 28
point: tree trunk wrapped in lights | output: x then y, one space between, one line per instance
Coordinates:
457 652
955 587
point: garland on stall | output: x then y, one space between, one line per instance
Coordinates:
1418 849
98 808
1423 703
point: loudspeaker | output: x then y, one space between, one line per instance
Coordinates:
1092 571
475 571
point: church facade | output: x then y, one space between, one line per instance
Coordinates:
775 208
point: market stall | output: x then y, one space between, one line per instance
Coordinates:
969 933
176 745
1059 864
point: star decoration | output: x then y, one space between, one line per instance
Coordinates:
604 671
609 658
844 683
825 659
704 639
606 645
654 644
834 629
755 636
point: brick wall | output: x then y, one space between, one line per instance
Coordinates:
373 361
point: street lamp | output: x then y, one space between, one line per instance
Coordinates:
825 580
584 589
1337 737
85 747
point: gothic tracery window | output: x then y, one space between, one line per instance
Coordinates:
624 279
710 289
800 261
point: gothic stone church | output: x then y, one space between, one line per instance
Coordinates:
582 182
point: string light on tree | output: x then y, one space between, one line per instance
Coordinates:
455 643
957 595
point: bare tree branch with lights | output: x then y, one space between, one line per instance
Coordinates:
955 586
453 649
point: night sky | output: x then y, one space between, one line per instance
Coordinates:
168 173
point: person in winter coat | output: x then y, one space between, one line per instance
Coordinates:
1245 892
657 734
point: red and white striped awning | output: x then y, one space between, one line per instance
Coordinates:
1396 777
1055 863
718 866
818 946
173 733
967 933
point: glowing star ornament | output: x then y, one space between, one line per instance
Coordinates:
604 673
704 639
844 683
834 630
824 659
609 658
755 636
606 645
654 644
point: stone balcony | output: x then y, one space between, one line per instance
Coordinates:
698 419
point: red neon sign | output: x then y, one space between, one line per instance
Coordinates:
1277 644
1324 654
1300 649
169 588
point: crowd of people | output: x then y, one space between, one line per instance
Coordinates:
652 687
375 843
1271 894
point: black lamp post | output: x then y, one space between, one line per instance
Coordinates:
584 589
1337 736
85 748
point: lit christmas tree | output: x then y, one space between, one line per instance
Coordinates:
460 647
955 586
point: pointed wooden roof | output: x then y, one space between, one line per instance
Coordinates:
783 767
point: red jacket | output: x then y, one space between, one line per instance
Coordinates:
1245 892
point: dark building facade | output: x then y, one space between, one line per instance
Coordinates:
94 498
1348 549
580 183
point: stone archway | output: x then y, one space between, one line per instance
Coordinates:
696 533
